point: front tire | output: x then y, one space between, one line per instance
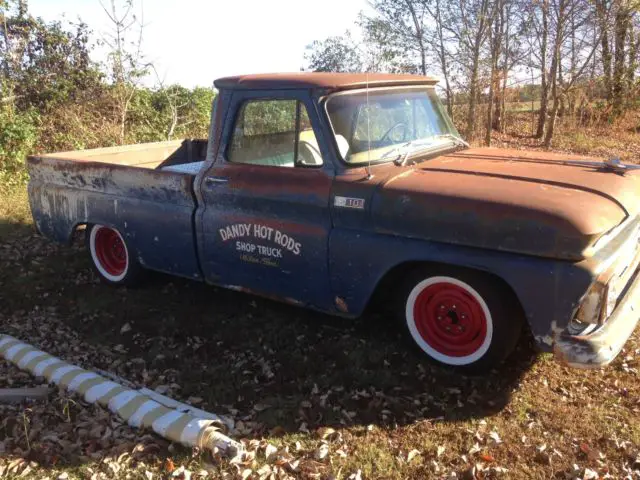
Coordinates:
111 256
460 318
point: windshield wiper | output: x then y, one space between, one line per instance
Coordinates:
458 141
403 151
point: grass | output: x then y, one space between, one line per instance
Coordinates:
522 106
289 374
604 140
14 209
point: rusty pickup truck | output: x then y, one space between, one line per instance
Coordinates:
330 190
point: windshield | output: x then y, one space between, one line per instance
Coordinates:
390 123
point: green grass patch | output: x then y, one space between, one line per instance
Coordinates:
15 214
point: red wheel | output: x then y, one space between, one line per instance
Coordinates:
110 255
110 251
470 320
449 320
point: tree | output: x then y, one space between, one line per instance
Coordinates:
48 84
496 38
539 48
42 63
398 30
622 25
441 44
334 54
469 22
572 39
126 62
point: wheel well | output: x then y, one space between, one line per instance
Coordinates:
389 284
77 231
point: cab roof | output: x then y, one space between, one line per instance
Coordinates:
321 80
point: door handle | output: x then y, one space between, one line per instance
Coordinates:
213 181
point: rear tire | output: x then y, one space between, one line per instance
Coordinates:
110 256
460 318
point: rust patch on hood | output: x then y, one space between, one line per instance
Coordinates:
550 168
519 201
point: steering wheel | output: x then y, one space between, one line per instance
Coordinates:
387 135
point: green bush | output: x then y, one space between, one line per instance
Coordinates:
18 135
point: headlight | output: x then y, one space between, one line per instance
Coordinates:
594 301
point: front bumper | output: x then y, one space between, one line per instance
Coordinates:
600 347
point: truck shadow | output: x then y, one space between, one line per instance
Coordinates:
276 367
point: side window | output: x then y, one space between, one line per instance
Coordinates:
274 133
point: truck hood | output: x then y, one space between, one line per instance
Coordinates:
529 202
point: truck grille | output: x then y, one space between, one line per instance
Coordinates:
623 275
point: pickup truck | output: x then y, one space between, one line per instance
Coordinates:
330 190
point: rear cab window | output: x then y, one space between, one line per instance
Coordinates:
274 133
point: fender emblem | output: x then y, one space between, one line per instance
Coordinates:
348 202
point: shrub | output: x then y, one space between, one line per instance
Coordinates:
18 135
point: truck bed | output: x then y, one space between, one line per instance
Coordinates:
157 155
139 189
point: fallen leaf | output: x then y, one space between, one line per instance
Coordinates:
412 454
327 433
495 437
321 452
260 407
584 448
543 457
270 452
487 458
264 471
355 476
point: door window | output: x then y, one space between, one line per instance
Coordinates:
274 133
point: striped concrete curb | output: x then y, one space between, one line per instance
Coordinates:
136 408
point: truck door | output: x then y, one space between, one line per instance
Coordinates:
264 221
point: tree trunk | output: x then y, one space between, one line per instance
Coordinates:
489 127
419 37
633 56
551 125
449 100
618 89
553 76
436 14
123 121
473 98
501 104
498 104
544 88
601 11
495 39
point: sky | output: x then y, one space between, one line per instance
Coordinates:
193 42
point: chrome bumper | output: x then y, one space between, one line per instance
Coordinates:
602 346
